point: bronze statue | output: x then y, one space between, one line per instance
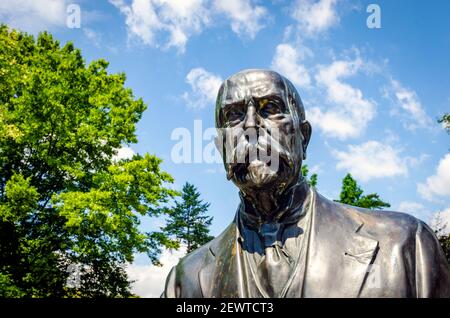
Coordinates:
286 239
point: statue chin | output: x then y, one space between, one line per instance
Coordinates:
259 174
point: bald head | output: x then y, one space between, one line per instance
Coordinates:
257 84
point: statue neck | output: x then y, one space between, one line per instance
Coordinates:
261 207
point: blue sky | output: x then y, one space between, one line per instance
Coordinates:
372 95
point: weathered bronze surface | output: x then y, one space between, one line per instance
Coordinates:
286 239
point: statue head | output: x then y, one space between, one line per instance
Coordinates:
263 133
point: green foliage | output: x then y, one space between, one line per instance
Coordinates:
63 199
187 220
311 180
20 199
352 194
444 240
8 288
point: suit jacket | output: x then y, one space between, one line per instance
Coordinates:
351 252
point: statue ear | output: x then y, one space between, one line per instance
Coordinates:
305 128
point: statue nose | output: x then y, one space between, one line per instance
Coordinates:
250 117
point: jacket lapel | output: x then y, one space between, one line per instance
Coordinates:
222 274
340 253
359 256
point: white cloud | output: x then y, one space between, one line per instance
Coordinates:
332 123
246 19
416 161
287 61
445 125
314 17
409 206
351 111
149 279
409 107
416 209
33 16
371 160
205 87
437 185
93 36
170 23
123 153
179 19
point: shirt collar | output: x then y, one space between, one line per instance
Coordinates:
294 206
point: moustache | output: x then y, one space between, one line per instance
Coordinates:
266 149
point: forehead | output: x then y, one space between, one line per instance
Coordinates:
252 84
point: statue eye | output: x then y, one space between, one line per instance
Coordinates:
268 107
234 114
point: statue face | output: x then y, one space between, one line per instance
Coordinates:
264 135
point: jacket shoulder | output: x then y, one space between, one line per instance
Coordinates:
400 235
379 223
391 222
183 279
193 261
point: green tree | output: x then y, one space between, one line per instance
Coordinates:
311 180
187 221
64 199
352 194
